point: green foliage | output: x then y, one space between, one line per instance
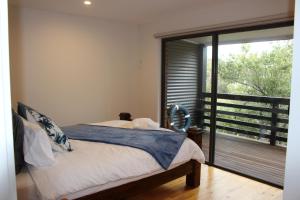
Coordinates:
267 73
264 74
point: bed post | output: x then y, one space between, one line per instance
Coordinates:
193 179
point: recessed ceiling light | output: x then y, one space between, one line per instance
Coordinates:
87 2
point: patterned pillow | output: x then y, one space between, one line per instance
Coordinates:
54 132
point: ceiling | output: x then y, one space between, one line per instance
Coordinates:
132 11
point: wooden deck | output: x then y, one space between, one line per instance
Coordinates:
252 158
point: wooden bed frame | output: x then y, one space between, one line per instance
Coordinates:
191 169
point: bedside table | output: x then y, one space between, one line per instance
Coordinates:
195 134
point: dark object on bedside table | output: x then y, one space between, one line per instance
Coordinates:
195 134
125 116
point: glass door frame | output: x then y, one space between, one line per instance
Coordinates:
214 82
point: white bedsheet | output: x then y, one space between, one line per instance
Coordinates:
93 167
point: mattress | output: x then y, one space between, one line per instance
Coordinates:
94 167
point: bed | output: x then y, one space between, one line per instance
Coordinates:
107 171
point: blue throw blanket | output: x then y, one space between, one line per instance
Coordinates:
162 145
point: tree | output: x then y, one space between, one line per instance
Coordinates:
264 74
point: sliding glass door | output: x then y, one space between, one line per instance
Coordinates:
236 85
254 70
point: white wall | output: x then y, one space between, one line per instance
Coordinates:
7 166
76 69
217 12
292 174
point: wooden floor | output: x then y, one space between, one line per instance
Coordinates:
215 184
249 157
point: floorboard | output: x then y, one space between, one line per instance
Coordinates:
216 184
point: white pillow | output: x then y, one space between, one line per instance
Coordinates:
36 146
145 123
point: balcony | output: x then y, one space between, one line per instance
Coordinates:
251 134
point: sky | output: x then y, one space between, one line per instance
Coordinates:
255 47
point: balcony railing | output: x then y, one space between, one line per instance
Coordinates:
252 116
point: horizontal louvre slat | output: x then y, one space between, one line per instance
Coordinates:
177 65
182 62
182 94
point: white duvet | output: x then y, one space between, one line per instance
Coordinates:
93 167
